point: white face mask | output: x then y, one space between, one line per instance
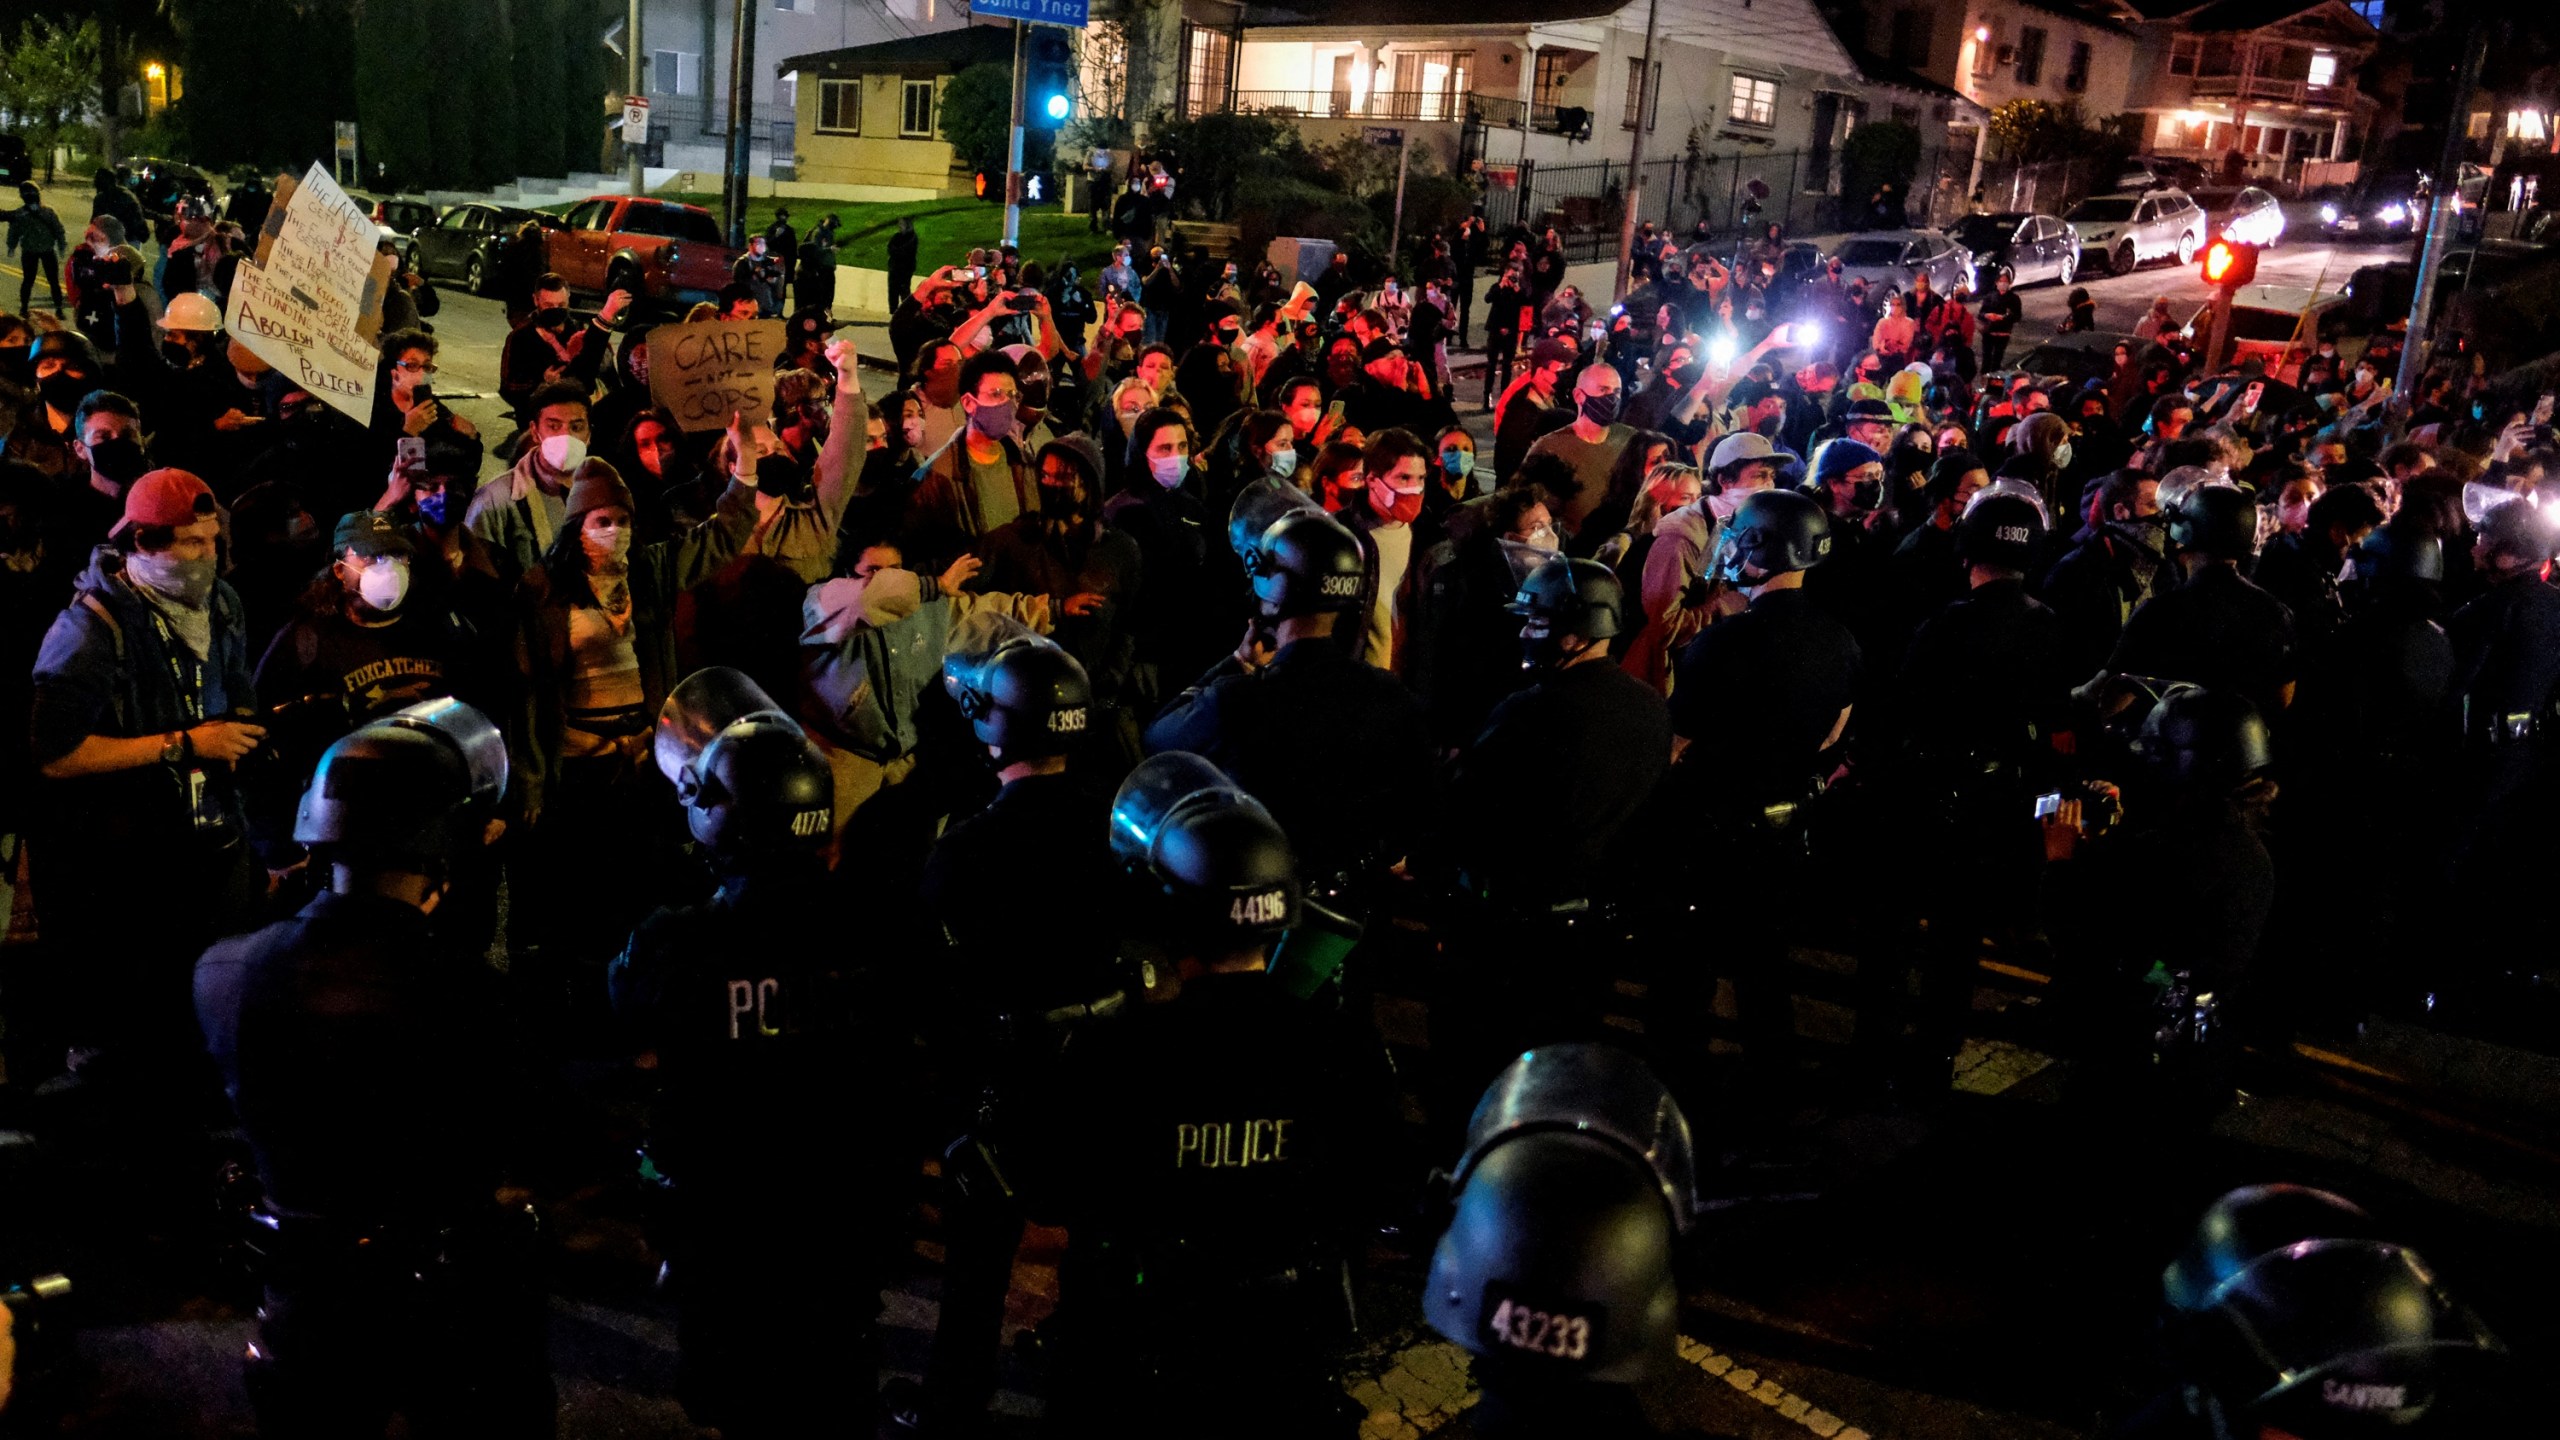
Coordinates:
384 583
563 453
1543 538
2062 456
607 544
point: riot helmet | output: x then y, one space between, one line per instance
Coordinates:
411 788
1208 859
1566 597
1258 506
750 781
1306 564
2250 1222
2195 736
1772 533
2000 531
2519 530
2393 556
2335 1337
1577 1180
1028 699
2217 520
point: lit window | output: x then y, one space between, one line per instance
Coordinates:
2324 70
1755 101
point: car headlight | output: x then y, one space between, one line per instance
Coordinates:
2393 214
2329 214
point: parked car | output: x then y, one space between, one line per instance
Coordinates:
2150 172
463 243
2118 232
2379 295
158 183
2393 204
401 218
2032 247
2081 355
16 165
667 255
1892 257
2268 325
2254 219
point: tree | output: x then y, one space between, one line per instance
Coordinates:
583 81
540 75
486 94
977 116
49 79
394 40
1876 154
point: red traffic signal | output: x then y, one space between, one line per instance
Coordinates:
2230 262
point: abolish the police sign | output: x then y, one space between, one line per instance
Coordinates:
312 304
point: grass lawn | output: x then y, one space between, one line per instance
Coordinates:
946 229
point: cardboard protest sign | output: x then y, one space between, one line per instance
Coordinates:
311 305
709 370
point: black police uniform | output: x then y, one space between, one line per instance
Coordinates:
2506 685
1756 695
766 1134
1338 750
2217 630
1023 892
1208 1218
368 1064
1974 709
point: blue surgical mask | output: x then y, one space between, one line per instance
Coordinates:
1283 463
1169 469
431 508
1459 463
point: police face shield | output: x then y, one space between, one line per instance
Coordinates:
1596 1090
1256 509
1150 795
1524 558
2249 1223
697 710
975 641
483 749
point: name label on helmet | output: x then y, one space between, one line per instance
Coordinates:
2009 534
812 822
1268 908
1338 585
1231 1144
2347 1395
1069 721
1559 1334
752 998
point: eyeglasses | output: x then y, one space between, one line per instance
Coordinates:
421 367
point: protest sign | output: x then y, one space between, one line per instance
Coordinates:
708 370
311 304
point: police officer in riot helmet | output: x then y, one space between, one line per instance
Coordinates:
1968 737
1213 1149
1759 697
1555 1271
2506 691
2217 628
767 1093
1023 891
363 1055
1338 750
2198 811
1598 740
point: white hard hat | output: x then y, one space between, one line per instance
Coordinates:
191 311
1739 447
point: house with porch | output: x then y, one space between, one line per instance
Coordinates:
2261 89
868 121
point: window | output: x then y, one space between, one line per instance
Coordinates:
2371 10
2324 70
676 72
1755 101
1639 94
915 109
2030 56
797 7
840 107
1206 55
1911 36
2182 55
2076 79
1103 65
1546 83
1432 84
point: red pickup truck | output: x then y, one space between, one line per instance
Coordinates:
667 255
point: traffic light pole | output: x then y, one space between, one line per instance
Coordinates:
632 85
2217 343
2444 208
1013 151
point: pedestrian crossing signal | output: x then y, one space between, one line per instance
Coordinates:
982 184
2230 262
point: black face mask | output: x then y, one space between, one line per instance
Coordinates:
785 479
63 390
1600 409
553 318
119 459
1058 504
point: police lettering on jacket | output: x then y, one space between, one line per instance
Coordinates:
1231 1144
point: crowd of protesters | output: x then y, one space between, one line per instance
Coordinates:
1879 594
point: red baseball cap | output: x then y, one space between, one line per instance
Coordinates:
166 497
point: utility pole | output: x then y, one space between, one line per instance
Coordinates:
632 84
2444 208
1013 144
1395 227
1635 158
742 69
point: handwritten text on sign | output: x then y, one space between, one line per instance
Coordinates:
708 370
311 306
